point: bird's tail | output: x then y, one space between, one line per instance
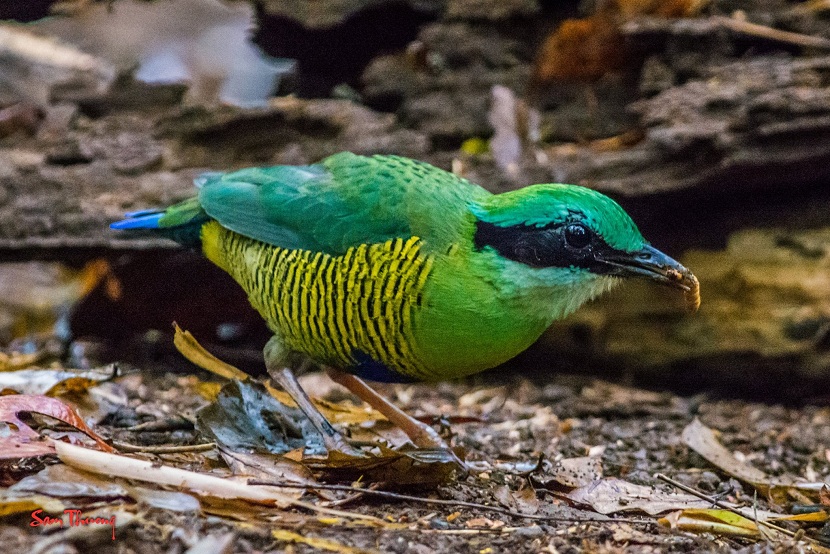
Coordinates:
181 222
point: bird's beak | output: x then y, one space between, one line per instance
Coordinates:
650 262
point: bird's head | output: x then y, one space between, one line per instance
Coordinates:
572 236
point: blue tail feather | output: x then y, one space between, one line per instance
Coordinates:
140 213
147 219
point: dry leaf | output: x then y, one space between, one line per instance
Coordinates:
25 441
719 522
608 496
52 382
316 543
401 467
702 440
246 418
65 482
576 472
190 348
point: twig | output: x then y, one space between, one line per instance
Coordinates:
126 447
440 502
351 498
723 505
762 31
210 485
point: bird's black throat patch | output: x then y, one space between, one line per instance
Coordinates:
545 246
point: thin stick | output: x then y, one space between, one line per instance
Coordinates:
722 505
439 502
210 485
164 449
762 31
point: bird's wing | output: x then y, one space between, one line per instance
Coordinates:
341 202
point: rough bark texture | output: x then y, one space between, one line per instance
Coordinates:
63 190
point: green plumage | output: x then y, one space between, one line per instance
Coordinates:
394 269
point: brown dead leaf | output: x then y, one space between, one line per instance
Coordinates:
824 496
190 348
344 412
524 500
702 440
266 468
608 496
25 441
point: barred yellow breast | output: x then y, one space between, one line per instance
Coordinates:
346 311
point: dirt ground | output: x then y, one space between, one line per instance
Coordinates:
633 434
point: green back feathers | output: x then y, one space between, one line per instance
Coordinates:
541 205
344 201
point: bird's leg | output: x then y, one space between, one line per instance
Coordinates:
332 439
421 434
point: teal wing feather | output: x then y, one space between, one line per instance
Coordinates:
343 201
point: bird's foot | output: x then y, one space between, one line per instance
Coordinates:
333 440
338 443
421 434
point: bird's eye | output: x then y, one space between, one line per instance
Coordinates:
577 236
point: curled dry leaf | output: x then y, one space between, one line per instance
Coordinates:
25 441
190 348
719 522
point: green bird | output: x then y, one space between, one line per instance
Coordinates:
389 269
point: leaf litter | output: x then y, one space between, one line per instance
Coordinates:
260 471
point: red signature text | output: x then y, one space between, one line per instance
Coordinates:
74 518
